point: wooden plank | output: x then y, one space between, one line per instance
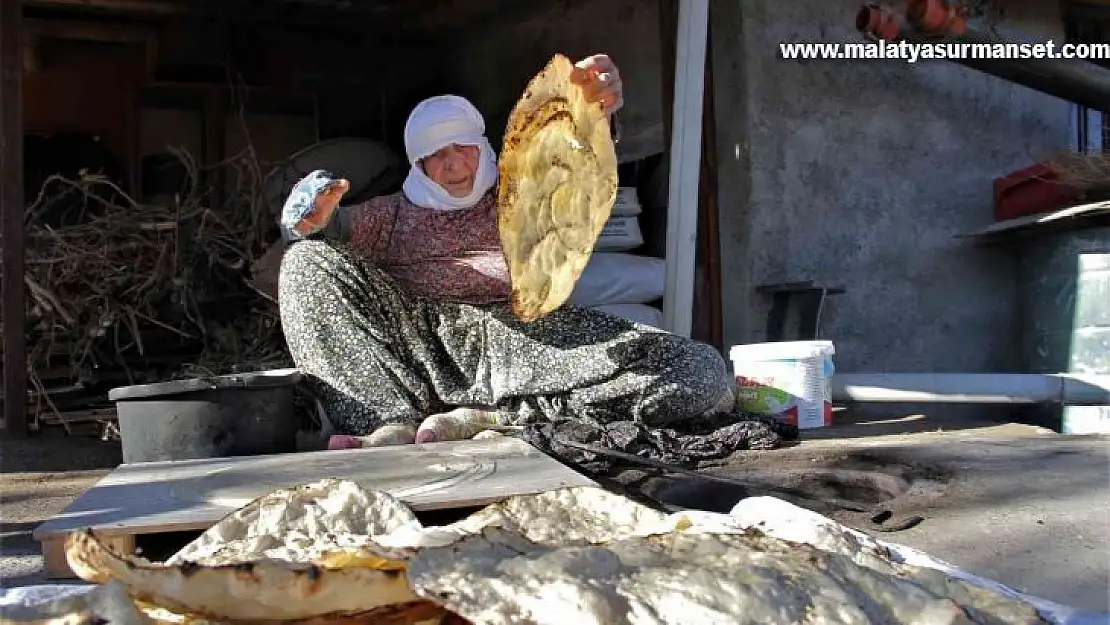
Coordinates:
55 565
12 297
685 156
184 495
1072 216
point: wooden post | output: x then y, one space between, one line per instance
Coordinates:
12 212
707 323
685 155
709 226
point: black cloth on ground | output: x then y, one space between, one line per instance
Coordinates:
686 445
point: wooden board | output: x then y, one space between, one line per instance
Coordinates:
156 497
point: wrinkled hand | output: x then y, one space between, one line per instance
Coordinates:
601 81
327 200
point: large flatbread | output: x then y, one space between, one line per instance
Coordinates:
302 554
558 183
499 578
575 555
260 590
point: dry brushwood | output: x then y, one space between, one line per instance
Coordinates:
1088 174
129 279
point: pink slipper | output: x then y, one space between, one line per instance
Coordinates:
343 441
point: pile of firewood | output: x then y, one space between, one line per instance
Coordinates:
133 293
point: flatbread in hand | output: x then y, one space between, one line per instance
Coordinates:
558 183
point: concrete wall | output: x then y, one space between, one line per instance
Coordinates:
862 173
859 173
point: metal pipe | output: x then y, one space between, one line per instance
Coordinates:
1075 80
973 388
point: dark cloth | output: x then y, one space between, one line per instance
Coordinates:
694 441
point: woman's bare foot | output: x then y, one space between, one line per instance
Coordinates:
457 425
393 434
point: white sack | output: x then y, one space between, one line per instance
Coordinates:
620 234
612 278
627 204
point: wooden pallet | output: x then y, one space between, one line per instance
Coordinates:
192 495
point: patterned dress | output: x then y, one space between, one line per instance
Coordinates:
396 312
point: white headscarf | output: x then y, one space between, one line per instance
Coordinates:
434 124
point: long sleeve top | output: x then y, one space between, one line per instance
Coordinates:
452 256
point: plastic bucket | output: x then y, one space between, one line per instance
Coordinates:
789 380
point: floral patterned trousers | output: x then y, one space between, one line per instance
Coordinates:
375 355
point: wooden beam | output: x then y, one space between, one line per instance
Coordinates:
102 32
11 217
685 158
155 7
455 26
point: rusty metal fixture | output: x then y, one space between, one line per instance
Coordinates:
936 17
1081 82
1074 80
879 22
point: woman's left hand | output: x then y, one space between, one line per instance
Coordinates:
601 81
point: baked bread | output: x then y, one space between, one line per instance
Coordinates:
558 183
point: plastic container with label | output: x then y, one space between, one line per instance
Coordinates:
789 380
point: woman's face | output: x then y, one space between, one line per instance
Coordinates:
453 168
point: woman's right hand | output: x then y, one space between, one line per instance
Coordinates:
312 202
327 200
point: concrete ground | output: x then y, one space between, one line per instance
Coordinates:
1021 505
1013 503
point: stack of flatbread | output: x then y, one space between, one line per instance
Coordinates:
558 183
334 552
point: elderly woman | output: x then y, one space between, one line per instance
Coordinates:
397 309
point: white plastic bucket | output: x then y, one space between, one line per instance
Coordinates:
789 380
